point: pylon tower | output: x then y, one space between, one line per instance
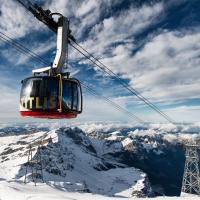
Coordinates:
191 178
35 165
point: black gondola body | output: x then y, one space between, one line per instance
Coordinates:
50 97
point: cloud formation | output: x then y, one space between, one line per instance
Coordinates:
15 20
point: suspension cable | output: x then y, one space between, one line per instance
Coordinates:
22 48
95 93
122 82
26 5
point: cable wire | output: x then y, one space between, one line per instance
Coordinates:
22 48
27 6
119 108
122 82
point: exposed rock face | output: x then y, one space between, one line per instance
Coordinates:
144 190
78 137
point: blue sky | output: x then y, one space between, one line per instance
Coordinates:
153 45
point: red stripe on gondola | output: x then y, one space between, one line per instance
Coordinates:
49 115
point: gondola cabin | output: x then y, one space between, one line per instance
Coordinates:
50 97
51 93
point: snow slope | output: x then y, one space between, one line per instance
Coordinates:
10 190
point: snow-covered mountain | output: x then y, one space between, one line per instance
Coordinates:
103 159
70 162
157 149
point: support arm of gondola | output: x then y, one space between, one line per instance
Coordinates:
62 44
61 49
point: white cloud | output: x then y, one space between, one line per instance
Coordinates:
9 103
96 109
86 7
15 20
184 113
166 68
64 7
120 28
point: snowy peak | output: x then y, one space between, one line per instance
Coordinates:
78 137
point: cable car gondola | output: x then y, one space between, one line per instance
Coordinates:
51 93
50 97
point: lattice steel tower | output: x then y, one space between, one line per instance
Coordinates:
191 178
